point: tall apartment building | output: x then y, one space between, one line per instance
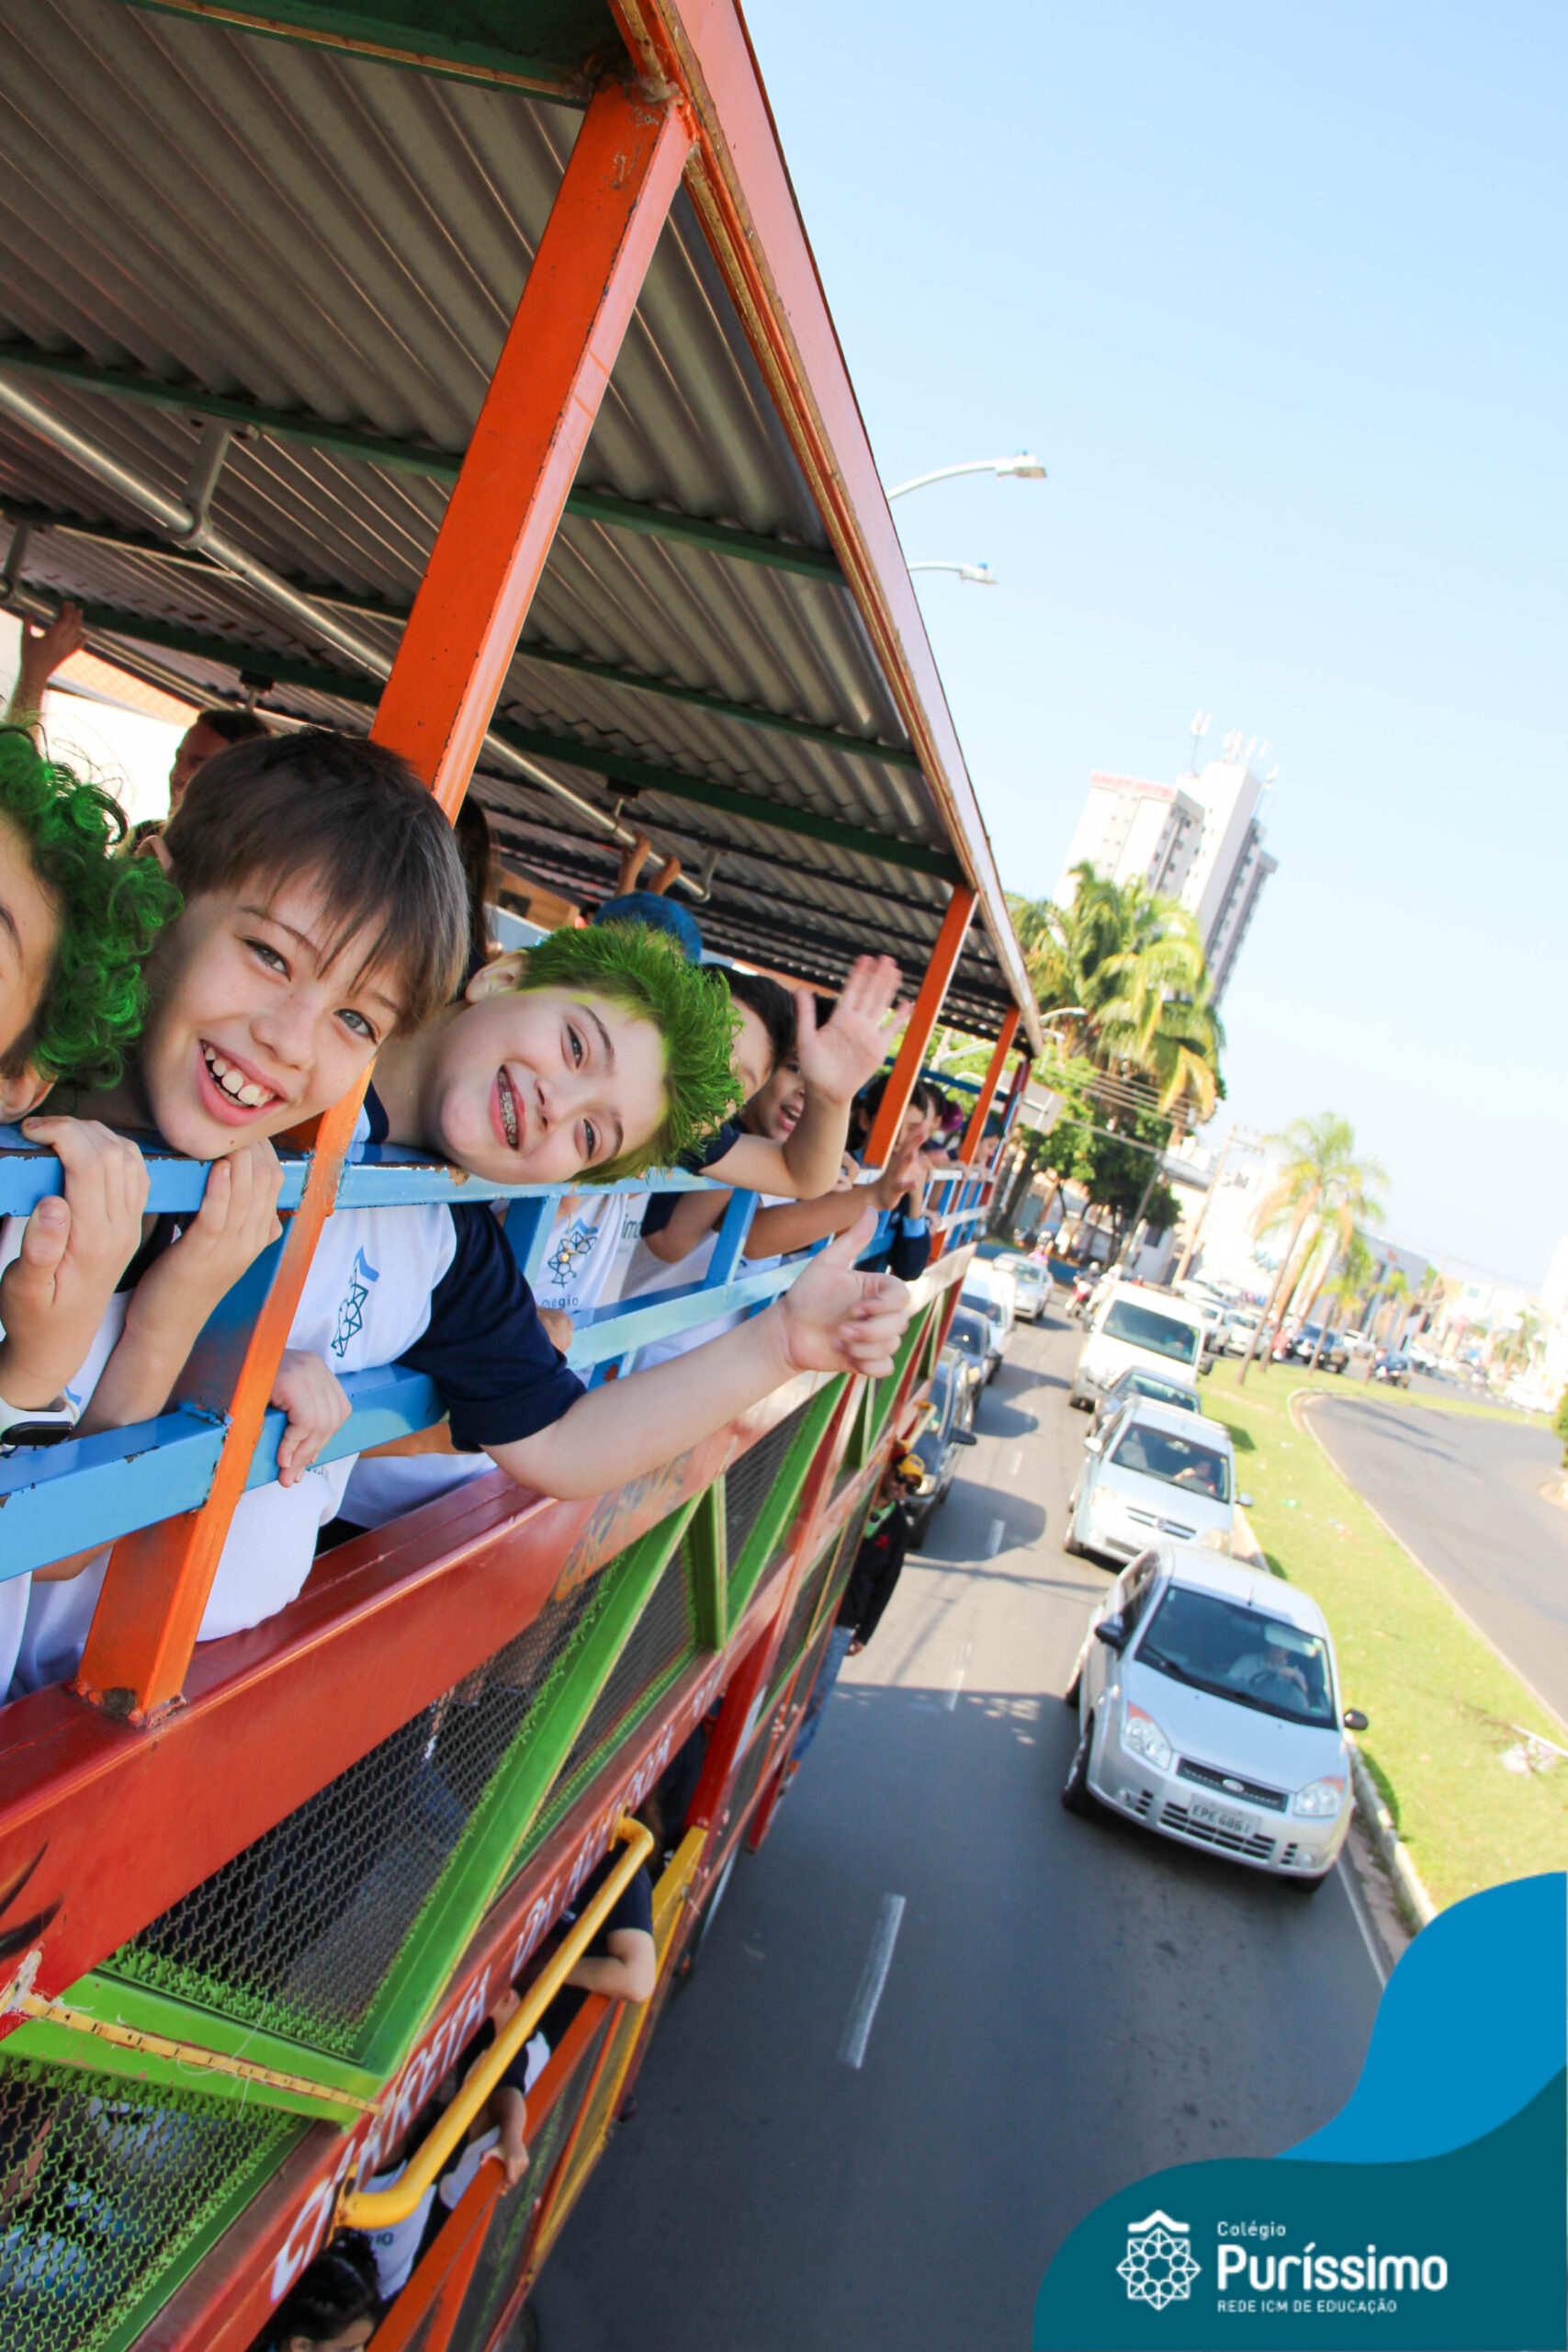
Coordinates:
1199 840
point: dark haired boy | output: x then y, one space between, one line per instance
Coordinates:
324 910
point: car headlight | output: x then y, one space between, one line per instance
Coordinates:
1320 1800
1141 1736
1104 1502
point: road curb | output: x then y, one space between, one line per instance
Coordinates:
1381 1828
1413 1898
1244 1546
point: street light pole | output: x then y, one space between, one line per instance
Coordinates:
980 573
1023 468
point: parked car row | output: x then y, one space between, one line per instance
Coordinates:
995 1292
1207 1690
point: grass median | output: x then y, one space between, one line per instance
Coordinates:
1444 1709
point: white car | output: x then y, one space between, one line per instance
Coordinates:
1131 1325
991 1293
1209 1710
1031 1283
1157 1470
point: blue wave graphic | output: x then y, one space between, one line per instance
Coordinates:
1469 2031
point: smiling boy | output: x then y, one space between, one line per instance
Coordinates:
324 908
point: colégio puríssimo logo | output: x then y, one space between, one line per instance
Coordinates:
1158 2266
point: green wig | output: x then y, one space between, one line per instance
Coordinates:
110 911
647 974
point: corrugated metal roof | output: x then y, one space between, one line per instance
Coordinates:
303 229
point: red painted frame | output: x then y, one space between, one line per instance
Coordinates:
508 500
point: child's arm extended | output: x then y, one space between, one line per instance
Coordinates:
795 1225
236 1221
836 1061
172 1303
55 1294
833 1319
41 652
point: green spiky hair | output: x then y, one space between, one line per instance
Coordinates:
647 974
111 910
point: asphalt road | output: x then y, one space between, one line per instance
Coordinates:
1069 2004
1464 1493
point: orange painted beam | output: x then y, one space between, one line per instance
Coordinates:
531 434
986 1096
459 639
740 186
922 1024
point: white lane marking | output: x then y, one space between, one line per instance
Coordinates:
874 1976
993 1539
1016 1465
959 1671
1357 1912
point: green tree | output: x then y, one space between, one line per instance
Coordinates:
1133 963
1320 1179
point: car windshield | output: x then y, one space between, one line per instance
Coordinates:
1158 1335
1162 1391
1238 1653
991 1309
969 1333
1184 1462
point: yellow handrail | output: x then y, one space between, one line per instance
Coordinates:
378 2209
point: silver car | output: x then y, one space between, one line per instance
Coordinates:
1209 1710
1157 1470
1031 1279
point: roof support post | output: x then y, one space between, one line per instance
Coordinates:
444 681
983 1101
922 1022
533 429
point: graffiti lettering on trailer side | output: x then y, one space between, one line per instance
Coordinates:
602 1536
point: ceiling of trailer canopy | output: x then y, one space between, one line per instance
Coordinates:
323 250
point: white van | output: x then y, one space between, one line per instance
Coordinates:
1131 1325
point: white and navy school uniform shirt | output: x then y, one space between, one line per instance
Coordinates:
15 1592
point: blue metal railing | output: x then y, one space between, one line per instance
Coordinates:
58 1500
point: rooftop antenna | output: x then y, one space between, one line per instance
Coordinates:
1202 722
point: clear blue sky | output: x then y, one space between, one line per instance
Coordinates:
1279 296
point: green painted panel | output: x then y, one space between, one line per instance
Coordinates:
707 1549
147 2011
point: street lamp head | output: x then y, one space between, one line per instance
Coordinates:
980 573
1027 466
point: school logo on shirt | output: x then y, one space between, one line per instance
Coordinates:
351 1314
572 1251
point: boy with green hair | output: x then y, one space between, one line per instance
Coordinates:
76 926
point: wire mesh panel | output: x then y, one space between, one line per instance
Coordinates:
662 1639
828 1577
749 1482
106 2188
806 1600
297 1933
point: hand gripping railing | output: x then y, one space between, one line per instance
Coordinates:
379 2209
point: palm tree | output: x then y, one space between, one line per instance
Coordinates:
1135 962
1349 1269
1322 1178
